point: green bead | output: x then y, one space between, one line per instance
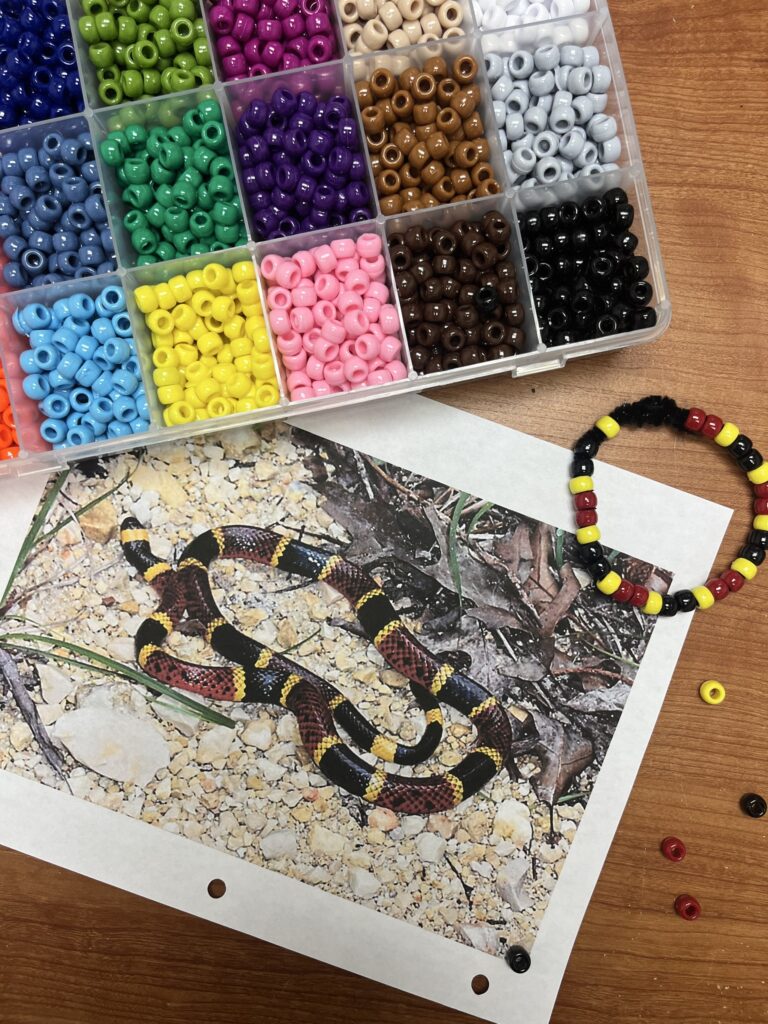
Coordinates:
161 175
226 214
166 232
218 246
144 240
159 17
145 53
193 123
214 136
108 75
199 249
164 195
151 81
136 170
155 139
227 233
126 30
129 55
221 167
199 28
135 220
163 40
171 156
166 84
111 152
106 26
201 52
191 175
202 76
179 136
184 194
146 259
102 55
156 215
209 110
183 31
201 224
138 10
86 26
110 93
120 175
185 61
140 197
221 188
165 251
132 83
183 240
120 50
202 157
176 219
181 80
94 6
204 200
181 9
145 31
136 136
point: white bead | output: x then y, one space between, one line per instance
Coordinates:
562 119
601 79
499 113
545 144
535 119
587 156
561 8
579 30
494 65
521 64
591 56
525 143
602 127
541 83
517 102
501 88
546 58
545 103
494 17
610 150
548 170
584 108
580 6
514 126
523 160
572 55
599 101
561 35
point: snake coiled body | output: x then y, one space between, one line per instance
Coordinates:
260 675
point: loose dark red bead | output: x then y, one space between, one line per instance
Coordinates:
639 597
587 517
761 506
718 587
734 580
624 593
712 426
695 420
761 490
673 848
588 499
688 907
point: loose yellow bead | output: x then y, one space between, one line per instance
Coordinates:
145 298
220 406
202 302
179 412
195 280
184 317
207 389
267 394
210 343
250 309
162 340
712 692
609 426
704 597
166 356
238 385
243 364
588 534
609 584
180 288
247 404
170 393
747 569
261 341
248 293
579 484
218 278
727 435
760 523
654 604
224 373
186 354
262 367
166 376
192 397
243 270
759 475
164 295
223 309
195 372
240 346
160 321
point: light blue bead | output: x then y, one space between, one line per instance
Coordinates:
57 381
46 358
80 327
499 113
61 310
110 301
572 56
88 373
116 429
101 410
86 347
55 407
80 399
98 427
65 339
520 64
36 387
33 317
101 329
125 382
103 384
117 351
535 119
65 241
101 358
74 419
27 361
546 144
53 431
140 425
81 306
69 364
124 409
142 406
90 171
590 56
541 83
121 325
80 435
132 366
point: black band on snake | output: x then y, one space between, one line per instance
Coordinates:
260 675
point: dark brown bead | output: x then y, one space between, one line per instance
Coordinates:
501 351
419 357
493 332
468 240
405 284
466 316
422 269
434 365
472 354
434 312
397 238
452 338
443 241
467 293
416 238
401 256
450 311
411 311
383 83
484 256
431 290
444 263
506 289
465 271
514 315
428 334
506 270
495 227
451 288
514 337
451 360
488 279
474 334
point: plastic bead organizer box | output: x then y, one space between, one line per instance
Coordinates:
78 387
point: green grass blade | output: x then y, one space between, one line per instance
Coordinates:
37 524
483 510
559 544
453 532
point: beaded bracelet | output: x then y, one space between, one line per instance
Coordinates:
655 411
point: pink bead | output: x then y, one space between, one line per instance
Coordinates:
301 394
345 267
327 286
298 379
325 350
371 308
389 319
306 262
334 373
278 298
398 370
314 368
279 321
333 330
376 364
295 362
221 19
379 377
269 267
302 319
345 350
323 311
366 347
356 323
304 294
325 259
289 344
244 26
347 301
378 291
288 274
355 370
310 339
376 331
374 268
321 388
390 348
357 281
369 246
234 66
343 248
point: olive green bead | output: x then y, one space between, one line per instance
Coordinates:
156 216
166 251
108 75
132 83
134 220
101 55
159 17
199 28
165 80
129 55
164 195
221 167
151 79
171 155
120 51
214 136
110 93
138 196
136 171
138 10
227 233
226 214
163 40
221 188
136 135
144 240
202 76
202 157
86 26
184 195
127 31
204 200
209 110
161 175
182 9
183 31
201 52
94 6
184 61
144 31
106 26
183 240
176 219
145 53
201 224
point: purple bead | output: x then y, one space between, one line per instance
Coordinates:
319 218
339 160
311 6
318 24
325 197
357 193
265 175
286 179
259 149
265 221
245 156
243 28
320 49
299 46
259 200
305 188
336 219
247 6
271 53
273 138
293 26
227 45
234 66
341 202
258 69
357 172
320 142
356 216
295 141
290 61
336 180
285 8
281 199
221 19
313 164
288 226
250 179
301 121
269 29
284 103
306 103
302 207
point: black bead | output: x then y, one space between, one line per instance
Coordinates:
530 224
668 606
739 448
614 287
636 269
558 318
753 553
639 293
540 303
584 323
593 209
518 959
601 235
588 445
625 316
561 241
754 805
607 324
615 197
561 296
544 248
548 219
590 553
582 301
582 467
544 331
563 267
564 337
751 460
599 569
568 214
623 216
686 602
645 317
580 240
758 538
626 242
546 271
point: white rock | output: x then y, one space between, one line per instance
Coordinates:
324 842
259 734
510 884
100 522
288 729
430 847
56 686
121 746
513 821
481 936
279 844
49 713
21 735
122 649
363 883
171 711
268 770
215 744
412 824
382 818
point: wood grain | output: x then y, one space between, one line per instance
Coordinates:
73 951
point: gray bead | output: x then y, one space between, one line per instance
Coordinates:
499 113
589 171
548 170
523 160
610 167
561 77
610 150
571 144
514 127
526 142
545 103
494 65
535 119
546 58
583 108
562 119
571 56
601 78
591 56
507 157
580 81
501 88
517 102
562 96
601 128
520 64
522 85
599 101
541 83
587 156
566 165
545 144
530 183
503 140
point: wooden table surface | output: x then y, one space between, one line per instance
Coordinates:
73 951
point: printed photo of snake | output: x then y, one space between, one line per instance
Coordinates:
261 676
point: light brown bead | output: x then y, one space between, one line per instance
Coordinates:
424 113
348 12
473 126
391 205
373 120
376 142
437 144
415 204
464 69
383 83
444 190
461 180
432 172
364 94
481 172
446 88
448 121
464 103
391 156
418 156
409 176
402 103
376 164
408 195
385 106
489 188
428 200
436 66
405 140
388 182
423 131
483 149
465 154
423 88
405 81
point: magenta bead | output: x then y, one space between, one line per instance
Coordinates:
291 61
320 49
234 66
243 28
258 69
294 25
269 29
226 46
319 24
312 6
299 46
247 7
252 51
222 19
284 8
272 53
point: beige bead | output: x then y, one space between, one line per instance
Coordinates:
375 34
413 30
366 9
429 23
450 33
428 37
450 14
411 10
348 12
352 35
397 39
390 15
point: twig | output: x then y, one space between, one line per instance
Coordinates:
468 889
28 709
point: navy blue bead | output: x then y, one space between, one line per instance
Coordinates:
75 189
63 240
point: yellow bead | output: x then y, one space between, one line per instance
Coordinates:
727 435
218 278
579 484
220 406
253 325
238 385
170 393
747 569
195 372
248 293
166 376
588 534
192 397
145 298
609 584
240 346
166 356
184 317
210 343
162 340
609 426
225 356
160 321
262 367
198 330
179 412
243 364
243 270
209 361
195 280
181 337
223 308
180 288
248 404
261 341
760 523
164 295
234 327
201 414
224 373
267 394
654 603
250 309
759 475
704 597
202 302
712 692
207 389
186 354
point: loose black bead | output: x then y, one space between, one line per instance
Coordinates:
754 805
645 317
759 538
588 444
752 460
597 570
591 552
685 600
740 447
582 467
518 959
668 606
753 553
